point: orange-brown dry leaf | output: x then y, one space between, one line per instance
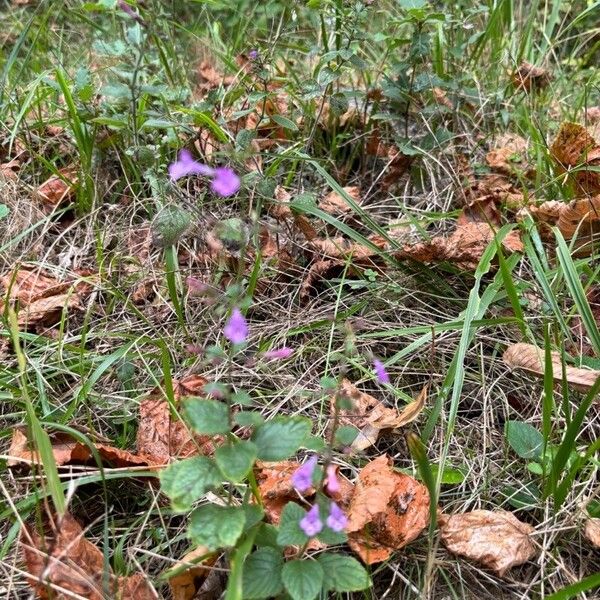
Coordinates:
530 358
370 416
495 539
184 586
387 512
336 205
29 284
528 77
9 169
210 78
575 147
509 154
162 437
59 188
63 560
276 488
591 530
67 450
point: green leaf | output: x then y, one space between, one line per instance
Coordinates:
302 579
343 573
4 210
187 480
281 437
207 416
235 460
254 514
262 574
450 475
524 439
216 526
248 418
345 435
242 397
267 535
285 122
290 533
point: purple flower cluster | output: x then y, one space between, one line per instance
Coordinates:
311 523
236 328
224 180
380 372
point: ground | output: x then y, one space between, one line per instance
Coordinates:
405 196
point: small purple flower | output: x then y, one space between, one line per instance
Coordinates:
280 353
337 519
253 54
380 372
311 523
302 479
129 11
225 182
236 328
333 485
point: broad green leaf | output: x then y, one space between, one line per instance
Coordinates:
187 480
450 475
280 437
216 526
262 574
290 533
343 573
302 579
4 210
254 514
206 416
345 435
285 122
248 418
235 460
524 439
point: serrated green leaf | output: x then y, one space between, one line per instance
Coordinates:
242 397
216 526
262 574
235 460
254 514
248 418
187 480
302 579
280 437
343 573
205 416
267 535
524 439
290 533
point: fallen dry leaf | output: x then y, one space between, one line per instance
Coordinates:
276 488
530 358
184 586
59 188
388 511
575 147
591 530
528 77
370 416
68 451
62 560
162 437
509 155
495 539
336 205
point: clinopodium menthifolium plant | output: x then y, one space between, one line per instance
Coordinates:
299 299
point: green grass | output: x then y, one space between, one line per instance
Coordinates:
124 98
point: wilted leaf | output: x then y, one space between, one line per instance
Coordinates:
591 530
370 416
509 155
59 188
387 512
575 147
74 565
161 436
528 77
335 204
496 539
531 359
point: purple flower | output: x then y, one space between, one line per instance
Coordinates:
225 182
337 519
302 479
280 353
253 54
236 328
380 372
333 485
129 11
311 523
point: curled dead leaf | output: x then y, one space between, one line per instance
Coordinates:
591 530
388 511
335 204
530 358
59 188
495 539
185 584
528 77
509 155
276 488
370 416
63 562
